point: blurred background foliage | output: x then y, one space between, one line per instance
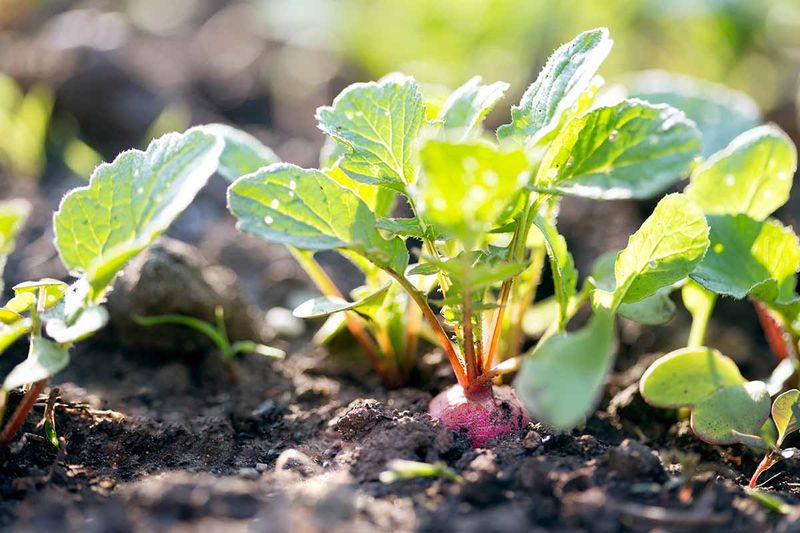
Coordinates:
85 79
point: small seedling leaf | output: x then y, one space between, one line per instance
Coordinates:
567 74
750 257
307 209
130 202
45 359
468 105
53 290
629 150
327 305
786 413
719 112
378 121
242 153
561 380
565 276
652 310
752 176
467 186
664 250
685 377
730 411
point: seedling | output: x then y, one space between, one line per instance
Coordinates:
98 228
750 256
399 469
725 408
216 332
474 203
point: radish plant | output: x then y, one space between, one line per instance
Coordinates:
483 221
127 204
750 256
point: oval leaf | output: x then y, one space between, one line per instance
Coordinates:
719 112
565 76
630 150
307 209
733 410
378 121
749 257
752 176
687 376
561 380
467 106
130 202
664 250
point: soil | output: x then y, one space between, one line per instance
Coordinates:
156 441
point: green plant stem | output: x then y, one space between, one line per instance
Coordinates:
515 335
325 284
697 333
518 241
430 316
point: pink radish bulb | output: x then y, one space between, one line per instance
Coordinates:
490 414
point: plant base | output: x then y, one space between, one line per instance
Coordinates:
487 415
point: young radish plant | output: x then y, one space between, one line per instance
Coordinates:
750 256
483 212
98 228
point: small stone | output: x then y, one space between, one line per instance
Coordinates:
262 467
284 323
249 473
634 459
532 440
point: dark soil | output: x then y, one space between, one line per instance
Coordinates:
153 441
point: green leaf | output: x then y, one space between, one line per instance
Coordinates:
130 202
652 310
327 305
242 153
565 76
561 380
730 411
719 112
664 250
13 214
752 176
468 105
378 121
630 150
466 187
565 276
54 290
90 320
786 413
685 377
749 257
50 433
45 359
307 209
401 227
380 200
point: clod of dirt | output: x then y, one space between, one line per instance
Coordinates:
173 278
360 417
491 415
634 459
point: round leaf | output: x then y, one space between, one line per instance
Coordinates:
734 409
688 376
